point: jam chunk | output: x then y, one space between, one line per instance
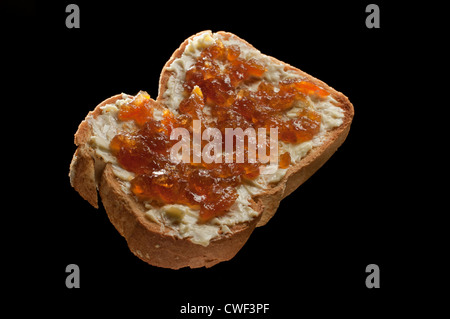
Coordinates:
138 109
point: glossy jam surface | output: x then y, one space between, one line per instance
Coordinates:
222 91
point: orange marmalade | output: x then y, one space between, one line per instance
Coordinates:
220 81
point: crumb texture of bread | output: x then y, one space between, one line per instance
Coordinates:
171 236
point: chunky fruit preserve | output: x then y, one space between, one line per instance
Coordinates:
222 90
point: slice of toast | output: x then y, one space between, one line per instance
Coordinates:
172 235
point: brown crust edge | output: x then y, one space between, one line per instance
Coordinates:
154 244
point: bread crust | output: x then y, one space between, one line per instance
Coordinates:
153 242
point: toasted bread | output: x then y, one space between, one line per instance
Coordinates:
159 240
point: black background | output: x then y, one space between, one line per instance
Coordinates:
358 209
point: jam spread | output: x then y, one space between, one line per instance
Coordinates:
235 95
